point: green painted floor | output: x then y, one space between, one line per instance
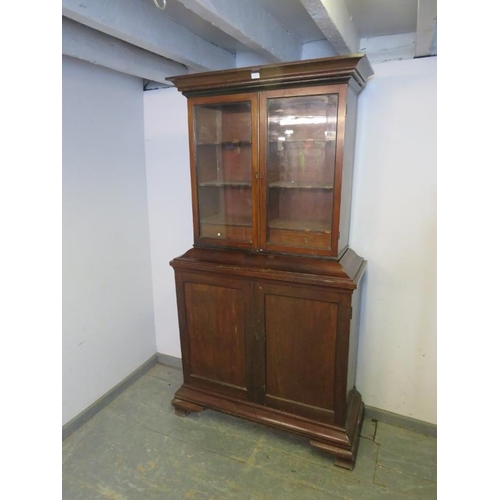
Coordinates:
137 448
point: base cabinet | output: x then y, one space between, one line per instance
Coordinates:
260 345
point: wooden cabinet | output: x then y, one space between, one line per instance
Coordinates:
265 297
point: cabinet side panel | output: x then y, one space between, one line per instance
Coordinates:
353 338
347 169
215 332
300 349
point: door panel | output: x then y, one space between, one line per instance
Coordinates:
300 331
299 137
224 167
215 333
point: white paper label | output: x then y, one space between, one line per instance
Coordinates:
255 75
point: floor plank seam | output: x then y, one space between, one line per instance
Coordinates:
234 459
152 430
295 455
407 474
164 379
376 459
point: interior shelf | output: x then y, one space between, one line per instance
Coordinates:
300 225
244 184
221 219
300 185
225 143
315 141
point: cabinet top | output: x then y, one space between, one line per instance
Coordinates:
352 69
344 272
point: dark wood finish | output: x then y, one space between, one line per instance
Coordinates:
347 169
268 297
307 214
352 358
344 273
215 325
184 408
339 156
296 219
340 441
294 337
211 313
353 70
237 193
346 458
298 365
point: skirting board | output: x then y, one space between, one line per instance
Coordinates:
104 400
409 423
165 359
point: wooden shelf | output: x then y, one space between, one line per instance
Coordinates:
244 184
300 185
225 144
221 219
300 225
317 141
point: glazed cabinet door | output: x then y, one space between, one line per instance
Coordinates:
223 143
300 328
215 318
301 136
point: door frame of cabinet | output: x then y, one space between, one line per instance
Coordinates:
341 91
259 149
252 97
340 331
182 278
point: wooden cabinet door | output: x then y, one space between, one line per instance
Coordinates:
224 171
215 318
302 132
303 350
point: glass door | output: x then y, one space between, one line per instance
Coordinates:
225 152
300 150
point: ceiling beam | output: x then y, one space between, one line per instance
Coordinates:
426 28
388 47
248 23
141 24
87 44
334 20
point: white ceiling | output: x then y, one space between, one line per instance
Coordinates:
135 37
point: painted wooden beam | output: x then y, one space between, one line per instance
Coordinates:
388 47
248 23
334 20
317 49
81 42
426 28
141 24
